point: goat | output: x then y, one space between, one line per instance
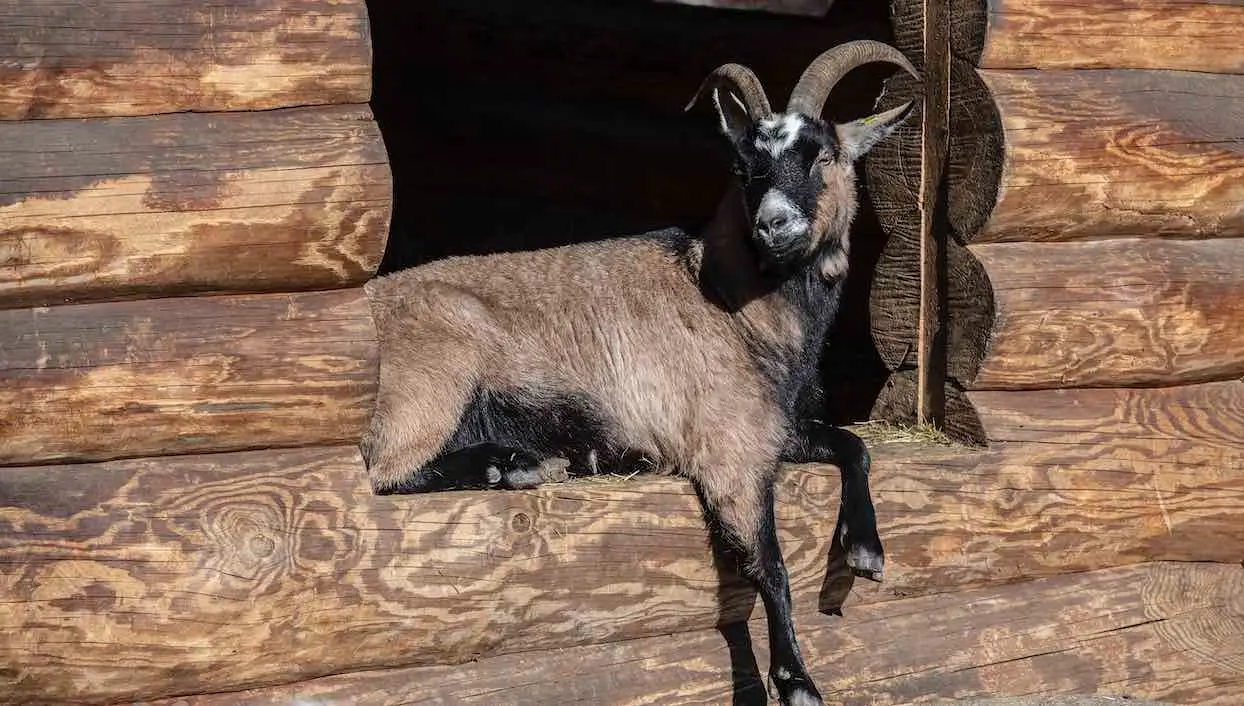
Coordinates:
685 354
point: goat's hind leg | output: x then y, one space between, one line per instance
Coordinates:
856 532
740 514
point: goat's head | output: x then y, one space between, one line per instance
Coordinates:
796 171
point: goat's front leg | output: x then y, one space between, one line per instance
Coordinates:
814 442
740 511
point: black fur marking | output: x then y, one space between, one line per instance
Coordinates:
856 532
505 440
476 467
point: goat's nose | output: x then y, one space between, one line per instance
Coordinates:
776 216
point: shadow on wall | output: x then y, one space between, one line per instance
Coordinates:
516 126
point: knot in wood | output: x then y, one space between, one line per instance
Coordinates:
261 546
521 522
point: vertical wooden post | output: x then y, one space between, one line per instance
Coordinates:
930 362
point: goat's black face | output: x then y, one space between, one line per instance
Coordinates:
780 162
798 178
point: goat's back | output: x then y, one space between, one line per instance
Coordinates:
621 323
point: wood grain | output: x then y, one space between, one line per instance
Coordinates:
155 577
1207 415
964 306
185 375
1114 313
1159 631
1188 35
1091 154
127 207
137 57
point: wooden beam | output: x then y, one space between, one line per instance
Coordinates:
70 59
186 375
804 8
935 126
1114 313
1209 415
1173 632
1093 154
1188 35
154 577
131 207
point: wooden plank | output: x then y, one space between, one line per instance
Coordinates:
127 207
1114 313
934 140
62 59
1091 154
1188 35
1209 415
1173 632
154 577
803 8
171 376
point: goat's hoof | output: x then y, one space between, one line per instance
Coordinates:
865 556
794 691
554 470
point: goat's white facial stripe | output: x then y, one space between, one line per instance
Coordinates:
778 134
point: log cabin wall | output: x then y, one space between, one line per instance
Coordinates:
184 516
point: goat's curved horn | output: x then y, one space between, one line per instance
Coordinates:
744 82
827 70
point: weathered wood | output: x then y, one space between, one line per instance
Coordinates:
806 8
1210 415
153 577
1189 35
138 57
187 375
1162 631
125 207
1091 154
964 303
897 401
934 141
1114 313
967 307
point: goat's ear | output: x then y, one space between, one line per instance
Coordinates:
732 115
859 136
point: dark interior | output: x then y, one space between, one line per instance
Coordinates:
515 126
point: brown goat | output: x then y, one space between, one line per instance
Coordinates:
686 354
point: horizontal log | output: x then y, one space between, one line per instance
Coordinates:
1109 153
187 375
125 207
1114 313
155 577
1173 632
71 59
1210 416
805 8
1188 35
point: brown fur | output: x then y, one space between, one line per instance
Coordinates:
534 320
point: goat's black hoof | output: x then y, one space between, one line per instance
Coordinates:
864 554
794 690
